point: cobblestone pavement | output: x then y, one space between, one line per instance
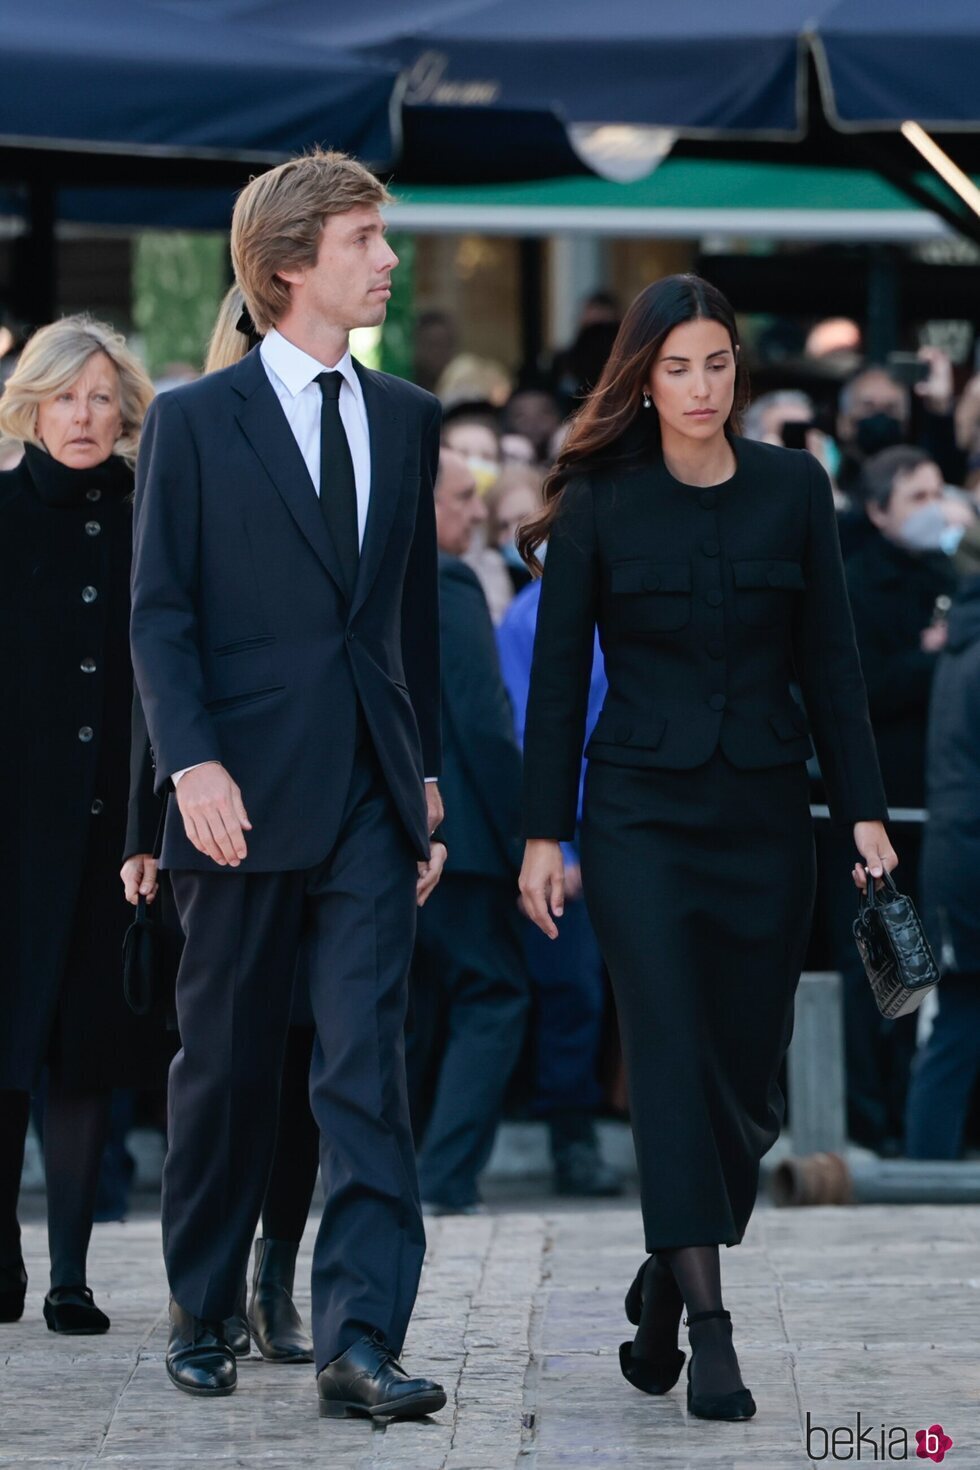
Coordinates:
872 1311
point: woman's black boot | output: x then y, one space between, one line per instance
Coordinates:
653 1305
738 1403
276 1325
13 1289
234 1329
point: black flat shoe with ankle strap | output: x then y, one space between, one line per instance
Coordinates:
650 1375
739 1404
72 1311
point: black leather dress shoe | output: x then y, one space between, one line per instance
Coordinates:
71 1310
13 1289
369 1380
235 1329
276 1325
198 1358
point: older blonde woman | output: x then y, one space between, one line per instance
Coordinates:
75 403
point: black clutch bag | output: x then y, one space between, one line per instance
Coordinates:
894 950
151 956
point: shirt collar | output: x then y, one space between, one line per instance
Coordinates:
296 369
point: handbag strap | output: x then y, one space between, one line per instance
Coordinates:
158 839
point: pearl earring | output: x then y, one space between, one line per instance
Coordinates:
647 400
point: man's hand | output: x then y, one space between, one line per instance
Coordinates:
542 884
430 872
139 876
433 805
214 814
871 841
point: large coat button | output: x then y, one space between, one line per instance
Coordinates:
97 806
93 495
623 732
716 648
717 701
92 528
89 594
713 599
710 548
88 666
85 734
651 582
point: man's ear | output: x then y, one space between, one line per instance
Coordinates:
292 278
876 515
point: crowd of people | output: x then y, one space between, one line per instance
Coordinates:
500 1016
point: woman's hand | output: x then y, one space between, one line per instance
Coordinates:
542 884
139 876
871 841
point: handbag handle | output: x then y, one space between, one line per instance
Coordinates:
869 898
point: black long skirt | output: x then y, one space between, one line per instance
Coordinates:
700 885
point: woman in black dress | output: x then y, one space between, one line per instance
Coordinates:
711 566
76 402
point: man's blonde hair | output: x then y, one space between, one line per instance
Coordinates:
278 219
53 359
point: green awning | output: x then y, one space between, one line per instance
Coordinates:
683 198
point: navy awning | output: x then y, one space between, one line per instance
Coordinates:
135 79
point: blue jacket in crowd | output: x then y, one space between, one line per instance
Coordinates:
515 641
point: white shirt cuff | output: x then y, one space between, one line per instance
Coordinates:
430 779
177 774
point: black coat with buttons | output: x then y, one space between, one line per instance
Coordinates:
65 551
710 604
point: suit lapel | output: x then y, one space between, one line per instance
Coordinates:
267 430
386 426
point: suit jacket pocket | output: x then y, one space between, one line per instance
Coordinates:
651 596
245 667
765 590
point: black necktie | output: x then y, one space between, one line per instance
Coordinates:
338 490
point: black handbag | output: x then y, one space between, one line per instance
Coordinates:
894 950
151 950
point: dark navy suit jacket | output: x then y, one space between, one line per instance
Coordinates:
245 648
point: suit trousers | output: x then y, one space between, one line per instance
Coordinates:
353 918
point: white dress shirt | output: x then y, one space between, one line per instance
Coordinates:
292 373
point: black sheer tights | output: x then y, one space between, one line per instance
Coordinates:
697 1271
76 1125
14 1113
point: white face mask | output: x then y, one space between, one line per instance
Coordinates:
927 529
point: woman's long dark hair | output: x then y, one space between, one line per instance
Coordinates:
599 426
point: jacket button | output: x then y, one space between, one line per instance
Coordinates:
717 701
350 636
92 528
88 666
651 582
97 806
93 495
713 599
89 594
716 649
623 732
708 499
710 548
85 734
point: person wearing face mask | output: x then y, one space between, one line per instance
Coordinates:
899 584
878 412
